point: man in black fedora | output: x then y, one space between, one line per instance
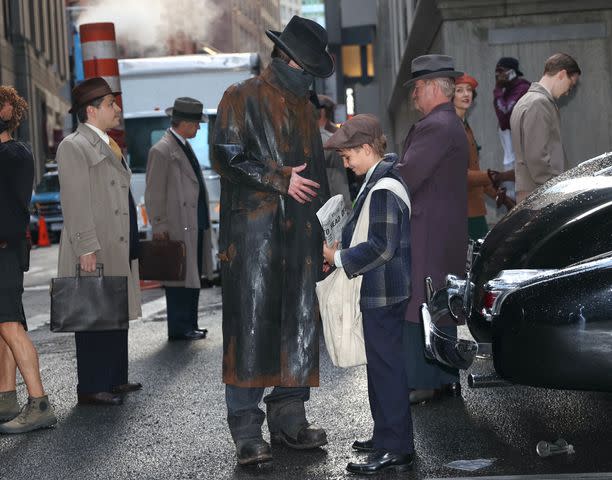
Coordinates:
268 151
434 166
177 204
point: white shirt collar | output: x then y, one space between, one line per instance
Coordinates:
367 177
182 140
103 135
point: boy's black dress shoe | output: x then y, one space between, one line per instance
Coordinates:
192 335
127 388
253 451
99 398
418 397
365 446
381 462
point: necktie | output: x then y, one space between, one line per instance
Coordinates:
115 148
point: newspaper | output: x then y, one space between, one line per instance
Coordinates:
333 216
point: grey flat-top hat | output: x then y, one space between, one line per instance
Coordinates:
432 66
188 109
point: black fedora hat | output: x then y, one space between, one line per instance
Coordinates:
305 41
89 90
432 66
187 109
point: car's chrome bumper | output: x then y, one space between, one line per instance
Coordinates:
448 350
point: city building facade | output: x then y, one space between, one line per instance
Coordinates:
242 24
34 59
289 8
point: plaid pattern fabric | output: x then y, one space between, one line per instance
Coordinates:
384 260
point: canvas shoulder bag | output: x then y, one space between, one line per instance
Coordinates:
339 296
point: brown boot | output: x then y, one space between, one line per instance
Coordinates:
9 408
37 413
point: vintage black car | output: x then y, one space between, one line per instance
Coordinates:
538 290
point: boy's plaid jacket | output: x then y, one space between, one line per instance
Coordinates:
384 260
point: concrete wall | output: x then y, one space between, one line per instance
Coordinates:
358 12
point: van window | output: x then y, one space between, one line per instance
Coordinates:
142 133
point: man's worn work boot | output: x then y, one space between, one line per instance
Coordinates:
9 408
253 451
37 413
288 426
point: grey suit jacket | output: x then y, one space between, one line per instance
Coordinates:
171 198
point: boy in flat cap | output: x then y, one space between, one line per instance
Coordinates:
267 149
384 262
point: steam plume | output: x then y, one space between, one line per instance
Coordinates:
145 26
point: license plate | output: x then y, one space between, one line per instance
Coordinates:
56 227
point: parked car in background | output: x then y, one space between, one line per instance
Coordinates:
538 290
46 202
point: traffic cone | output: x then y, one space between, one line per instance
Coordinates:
43 235
149 284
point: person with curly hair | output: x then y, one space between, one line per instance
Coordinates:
13 108
16 348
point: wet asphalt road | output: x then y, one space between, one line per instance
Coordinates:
175 427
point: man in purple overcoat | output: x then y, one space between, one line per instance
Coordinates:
434 166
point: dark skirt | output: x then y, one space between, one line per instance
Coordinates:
11 287
477 227
425 374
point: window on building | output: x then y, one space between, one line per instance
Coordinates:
358 62
7 18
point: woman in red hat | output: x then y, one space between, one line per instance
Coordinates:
479 182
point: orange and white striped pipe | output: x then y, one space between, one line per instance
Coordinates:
99 47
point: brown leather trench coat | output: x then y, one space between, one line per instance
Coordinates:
270 245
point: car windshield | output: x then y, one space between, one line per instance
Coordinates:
48 184
142 133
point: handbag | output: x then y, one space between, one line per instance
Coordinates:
89 303
339 296
162 260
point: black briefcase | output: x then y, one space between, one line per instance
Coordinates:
89 303
162 260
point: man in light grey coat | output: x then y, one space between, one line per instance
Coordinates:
177 203
99 228
536 125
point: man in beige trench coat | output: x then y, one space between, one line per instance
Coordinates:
177 203
99 228
536 125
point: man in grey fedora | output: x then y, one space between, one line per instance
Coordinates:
267 149
177 204
434 166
